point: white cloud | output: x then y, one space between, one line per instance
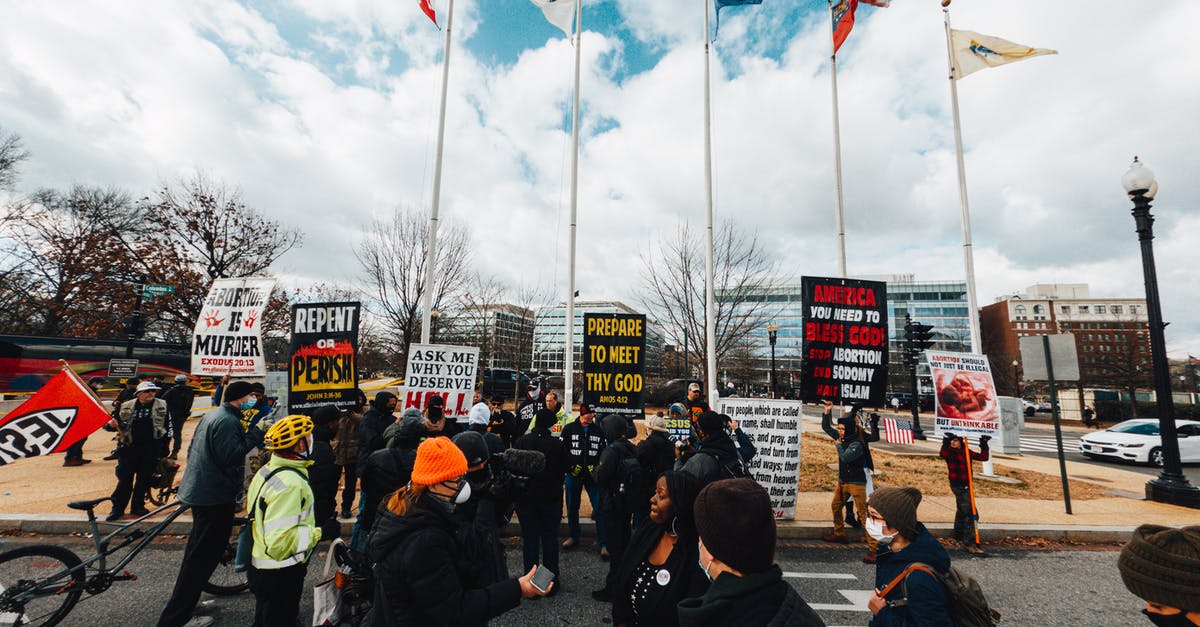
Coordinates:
325 113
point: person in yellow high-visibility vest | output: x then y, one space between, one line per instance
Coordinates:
285 532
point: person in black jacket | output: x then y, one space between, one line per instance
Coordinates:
480 518
388 469
852 480
421 577
323 473
179 399
903 540
854 412
370 439
660 567
503 423
617 494
656 453
539 509
716 457
736 524
585 441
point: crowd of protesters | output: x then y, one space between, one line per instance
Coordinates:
688 534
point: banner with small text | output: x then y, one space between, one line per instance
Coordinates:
774 426
324 348
442 370
845 347
228 337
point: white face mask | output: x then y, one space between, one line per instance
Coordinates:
875 530
464 494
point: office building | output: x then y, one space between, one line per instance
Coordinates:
549 332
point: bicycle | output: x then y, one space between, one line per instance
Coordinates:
40 584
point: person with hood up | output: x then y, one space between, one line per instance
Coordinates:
345 450
436 421
716 457
421 577
539 509
1161 565
656 453
617 494
323 473
852 482
480 413
736 524
480 518
388 469
371 439
903 541
660 566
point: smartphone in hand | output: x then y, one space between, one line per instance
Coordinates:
542 578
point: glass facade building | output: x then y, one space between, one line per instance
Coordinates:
549 332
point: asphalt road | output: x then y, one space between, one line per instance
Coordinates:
1030 587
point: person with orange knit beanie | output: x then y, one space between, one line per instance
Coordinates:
420 578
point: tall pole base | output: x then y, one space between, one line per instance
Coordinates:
1173 492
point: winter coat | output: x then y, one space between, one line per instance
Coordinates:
421 577
753 600
710 461
505 424
179 399
345 448
656 453
583 449
927 604
323 475
659 607
370 430
216 458
852 461
285 531
160 421
546 486
609 476
386 471
479 521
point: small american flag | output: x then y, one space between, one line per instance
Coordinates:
897 431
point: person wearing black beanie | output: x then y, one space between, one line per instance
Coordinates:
736 524
1161 565
540 508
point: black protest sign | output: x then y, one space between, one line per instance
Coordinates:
614 368
324 348
845 357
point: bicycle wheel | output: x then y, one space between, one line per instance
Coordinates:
35 585
226 580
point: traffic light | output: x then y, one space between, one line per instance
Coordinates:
135 325
922 336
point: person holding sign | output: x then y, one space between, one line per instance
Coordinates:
852 479
958 458
584 441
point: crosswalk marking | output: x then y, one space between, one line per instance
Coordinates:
857 602
795 575
1048 444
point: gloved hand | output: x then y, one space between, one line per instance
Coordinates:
983 442
874 418
576 470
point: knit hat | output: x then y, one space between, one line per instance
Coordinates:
678 409
259 387
411 420
544 419
236 391
736 522
585 409
473 447
435 400
326 414
438 460
1162 565
711 423
898 507
656 423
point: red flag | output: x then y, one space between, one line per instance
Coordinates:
427 8
62 413
843 21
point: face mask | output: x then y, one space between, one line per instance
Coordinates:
464 493
308 449
700 561
875 530
435 414
1168 620
248 403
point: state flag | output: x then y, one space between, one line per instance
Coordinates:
62 413
560 13
972 52
428 9
842 14
721 4
897 431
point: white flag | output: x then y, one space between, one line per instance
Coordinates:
973 52
560 13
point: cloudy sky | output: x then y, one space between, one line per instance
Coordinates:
325 112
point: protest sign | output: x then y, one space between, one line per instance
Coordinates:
845 346
614 368
227 338
324 347
964 394
775 428
442 370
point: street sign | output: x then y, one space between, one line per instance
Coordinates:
150 291
122 368
1062 352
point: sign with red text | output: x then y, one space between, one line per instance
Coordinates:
228 336
964 394
440 370
324 347
845 345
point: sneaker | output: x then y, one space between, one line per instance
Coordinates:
602 595
604 553
836 538
570 543
114 517
869 558
975 551
111 456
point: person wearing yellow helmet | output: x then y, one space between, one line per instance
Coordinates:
280 503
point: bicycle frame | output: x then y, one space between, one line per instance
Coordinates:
103 550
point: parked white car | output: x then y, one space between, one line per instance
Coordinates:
1139 441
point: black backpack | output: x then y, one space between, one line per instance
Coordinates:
631 490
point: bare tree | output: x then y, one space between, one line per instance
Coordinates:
673 289
12 153
469 321
392 254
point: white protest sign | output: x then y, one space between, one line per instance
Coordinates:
775 428
442 370
964 394
228 334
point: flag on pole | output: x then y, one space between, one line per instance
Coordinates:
62 413
1193 361
972 52
428 9
843 18
721 4
897 431
560 13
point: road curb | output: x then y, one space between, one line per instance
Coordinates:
65 524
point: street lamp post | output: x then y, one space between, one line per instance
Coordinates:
433 322
772 332
1171 486
1017 377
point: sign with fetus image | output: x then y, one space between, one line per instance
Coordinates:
964 394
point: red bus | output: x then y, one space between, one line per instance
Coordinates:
27 361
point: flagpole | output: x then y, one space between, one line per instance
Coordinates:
710 315
569 341
431 243
837 160
968 253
